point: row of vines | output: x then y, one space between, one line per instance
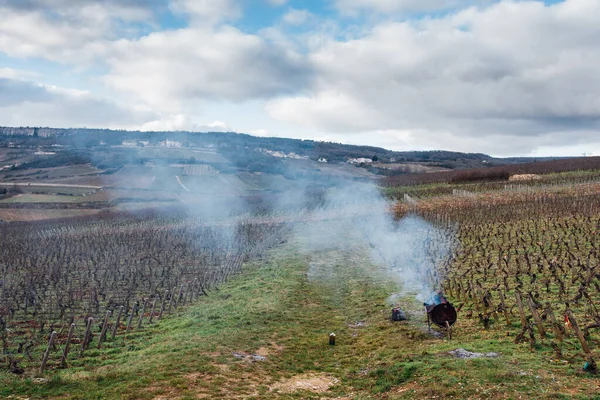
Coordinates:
525 260
106 275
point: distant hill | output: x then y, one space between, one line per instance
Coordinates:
250 153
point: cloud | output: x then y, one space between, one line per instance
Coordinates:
26 103
277 3
181 122
296 17
207 12
67 31
519 71
512 75
12 73
353 7
168 69
260 132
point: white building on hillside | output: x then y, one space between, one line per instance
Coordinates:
360 161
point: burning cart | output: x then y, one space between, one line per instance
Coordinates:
441 313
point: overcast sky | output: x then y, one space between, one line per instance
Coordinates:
499 77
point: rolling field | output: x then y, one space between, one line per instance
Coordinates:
523 269
264 335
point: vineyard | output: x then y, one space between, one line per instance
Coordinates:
496 173
93 298
527 261
68 282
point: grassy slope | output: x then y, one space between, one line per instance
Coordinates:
284 309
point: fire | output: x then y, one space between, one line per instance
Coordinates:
568 322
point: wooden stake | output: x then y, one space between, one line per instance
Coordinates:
184 296
557 331
521 311
87 336
171 299
47 353
481 297
63 360
141 319
152 311
117 322
194 295
130 319
162 305
582 340
178 296
504 308
536 317
104 329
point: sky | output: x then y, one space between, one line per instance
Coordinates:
506 78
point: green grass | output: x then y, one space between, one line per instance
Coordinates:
279 309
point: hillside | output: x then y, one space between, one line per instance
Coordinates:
245 148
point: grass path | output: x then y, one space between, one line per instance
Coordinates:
283 310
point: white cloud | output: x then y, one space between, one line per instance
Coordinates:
260 132
207 12
507 78
65 31
219 125
12 73
296 17
182 122
513 70
170 69
403 6
26 103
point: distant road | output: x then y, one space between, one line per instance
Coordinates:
51 185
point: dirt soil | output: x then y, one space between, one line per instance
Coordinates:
317 383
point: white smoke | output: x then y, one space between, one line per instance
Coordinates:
410 251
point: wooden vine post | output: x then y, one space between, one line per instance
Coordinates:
521 310
555 326
87 337
162 305
504 308
130 319
152 311
184 296
178 296
47 353
141 319
104 329
536 317
117 322
171 299
65 354
584 345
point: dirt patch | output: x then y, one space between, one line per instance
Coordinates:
199 376
272 348
167 394
317 383
524 177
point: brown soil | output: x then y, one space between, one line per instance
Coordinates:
317 383
271 349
